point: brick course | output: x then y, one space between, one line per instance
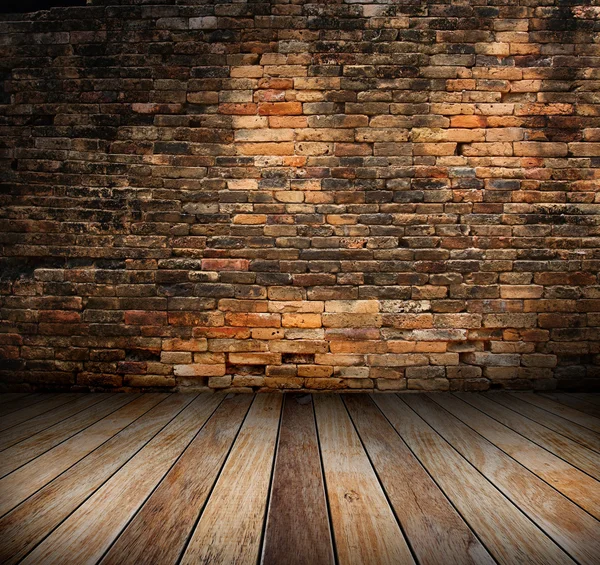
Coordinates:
321 196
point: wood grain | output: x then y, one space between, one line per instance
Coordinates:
26 450
230 527
573 529
297 530
168 478
565 427
14 418
574 402
571 451
506 532
86 535
592 397
159 531
364 525
561 410
429 521
34 425
23 528
24 401
8 397
573 483
23 482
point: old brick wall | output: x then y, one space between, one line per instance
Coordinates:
325 195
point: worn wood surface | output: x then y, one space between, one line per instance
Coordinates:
566 412
8 398
17 486
297 515
32 447
230 527
17 403
572 452
506 532
272 479
569 526
28 523
45 405
556 423
363 523
592 397
430 522
159 531
88 533
46 420
581 404
566 479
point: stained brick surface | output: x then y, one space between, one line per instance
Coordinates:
326 195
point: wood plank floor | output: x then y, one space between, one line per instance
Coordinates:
299 479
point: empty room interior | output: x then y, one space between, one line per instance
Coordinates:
300 282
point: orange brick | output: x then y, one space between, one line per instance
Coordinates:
279 108
287 122
250 219
468 121
268 333
301 320
244 109
253 320
276 83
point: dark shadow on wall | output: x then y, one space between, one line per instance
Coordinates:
22 6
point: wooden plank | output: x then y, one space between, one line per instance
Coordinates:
561 410
506 532
435 529
159 531
230 527
25 401
15 418
34 425
573 483
571 451
32 447
297 530
364 525
592 397
573 529
88 533
9 397
17 486
569 429
23 528
573 402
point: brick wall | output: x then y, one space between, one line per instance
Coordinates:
330 195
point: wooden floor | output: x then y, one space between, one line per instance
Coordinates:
441 478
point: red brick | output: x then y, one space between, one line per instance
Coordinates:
225 264
60 316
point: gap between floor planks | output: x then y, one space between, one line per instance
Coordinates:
184 478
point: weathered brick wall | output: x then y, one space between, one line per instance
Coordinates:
323 195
